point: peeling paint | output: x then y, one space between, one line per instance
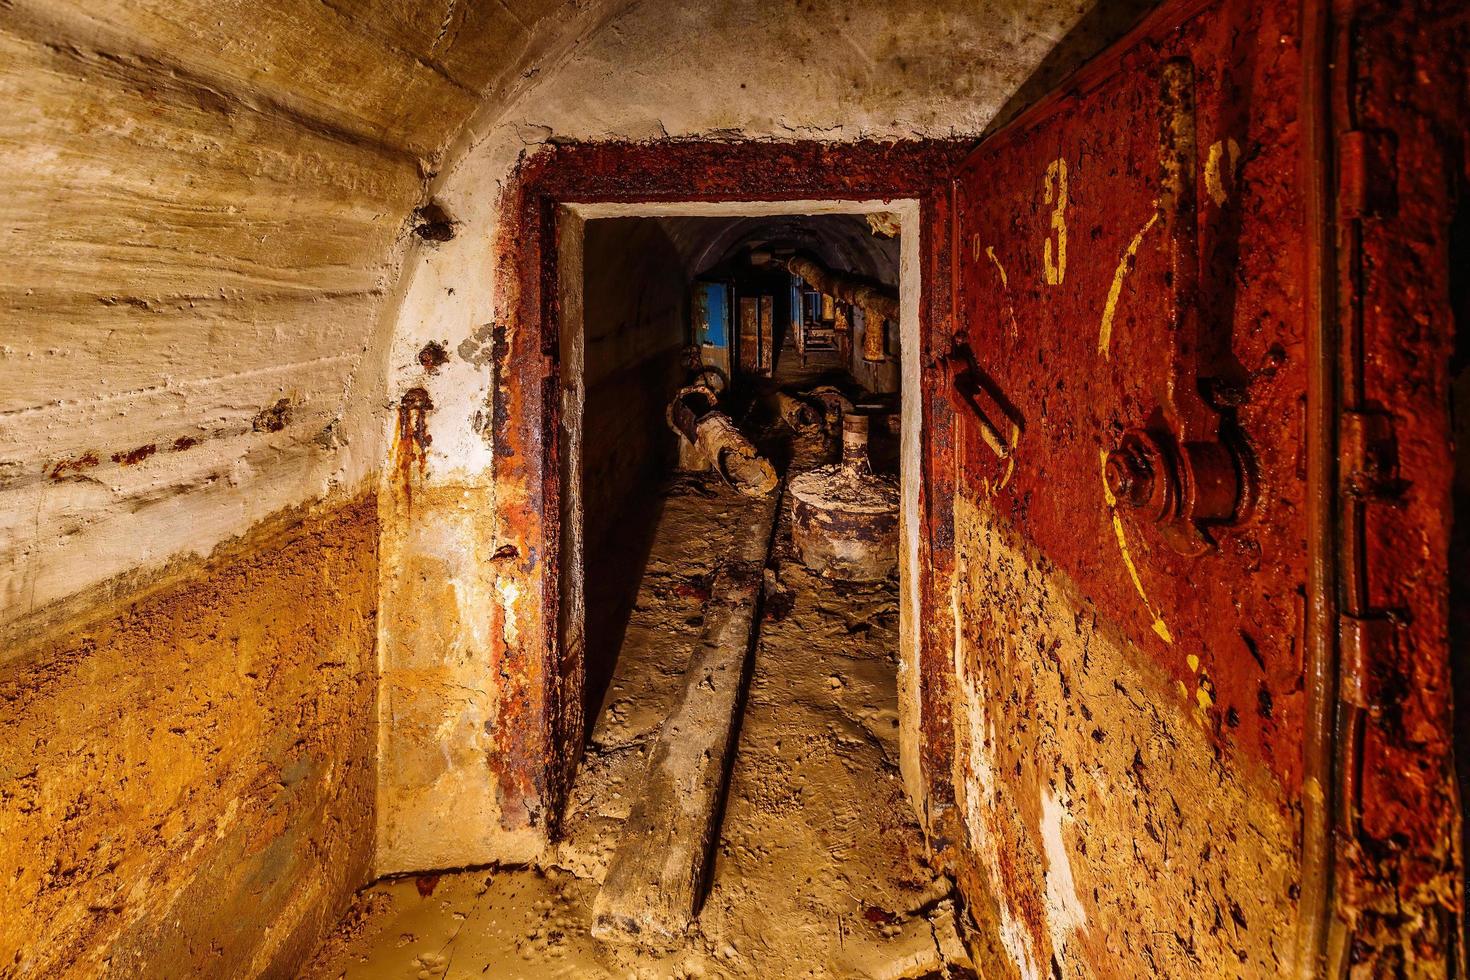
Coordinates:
1115 291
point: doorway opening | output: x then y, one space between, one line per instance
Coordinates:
789 331
659 297
671 302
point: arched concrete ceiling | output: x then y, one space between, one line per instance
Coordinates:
208 203
843 241
206 208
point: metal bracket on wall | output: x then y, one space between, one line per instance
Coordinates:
1179 468
972 392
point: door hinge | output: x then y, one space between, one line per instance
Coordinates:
1367 173
1370 457
1362 641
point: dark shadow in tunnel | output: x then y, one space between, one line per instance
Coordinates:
636 311
615 573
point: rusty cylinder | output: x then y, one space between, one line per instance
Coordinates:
874 348
855 443
844 518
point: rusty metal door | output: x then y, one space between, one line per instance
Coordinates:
1129 378
749 346
767 333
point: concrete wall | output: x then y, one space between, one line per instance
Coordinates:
208 211
636 326
207 206
187 778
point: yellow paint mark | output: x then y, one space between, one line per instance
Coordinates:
1005 284
1056 192
1159 626
1204 699
1012 438
1218 180
1193 661
1125 265
990 251
1183 691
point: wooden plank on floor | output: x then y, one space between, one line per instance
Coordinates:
652 889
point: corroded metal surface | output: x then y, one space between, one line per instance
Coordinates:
1078 235
1399 111
844 519
1067 245
693 416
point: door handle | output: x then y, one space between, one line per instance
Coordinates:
973 393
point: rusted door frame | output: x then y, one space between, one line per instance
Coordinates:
1320 941
540 729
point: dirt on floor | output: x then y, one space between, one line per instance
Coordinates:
820 869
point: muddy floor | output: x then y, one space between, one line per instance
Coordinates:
820 869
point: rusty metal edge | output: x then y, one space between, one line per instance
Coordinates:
1096 71
1321 936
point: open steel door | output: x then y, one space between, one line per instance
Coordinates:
1148 535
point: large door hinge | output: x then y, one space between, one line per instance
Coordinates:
1370 457
1364 640
1367 174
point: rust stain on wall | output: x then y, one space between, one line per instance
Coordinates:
71 468
433 356
411 440
274 417
188 759
134 456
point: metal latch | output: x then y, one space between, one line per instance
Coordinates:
1370 456
1367 174
972 390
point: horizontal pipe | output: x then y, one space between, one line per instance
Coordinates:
873 300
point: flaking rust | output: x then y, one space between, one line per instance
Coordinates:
411 439
1081 631
844 519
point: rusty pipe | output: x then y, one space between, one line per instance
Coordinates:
874 340
1320 936
873 300
693 415
855 443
